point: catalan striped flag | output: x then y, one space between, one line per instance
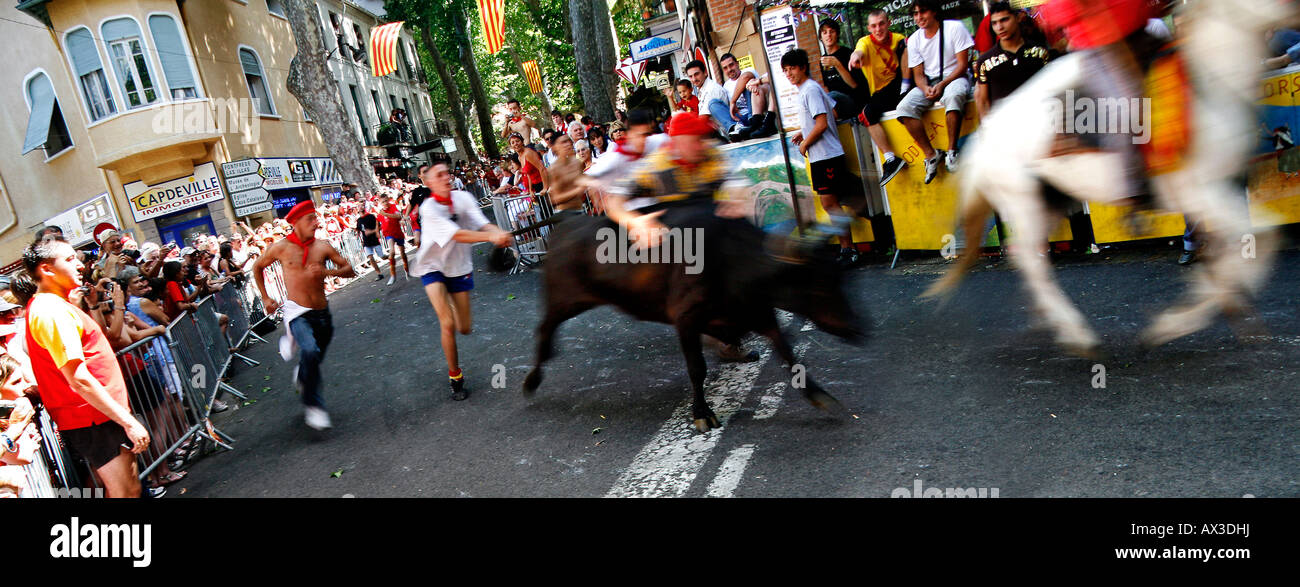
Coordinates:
383 48
493 14
534 75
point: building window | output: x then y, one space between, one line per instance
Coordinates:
256 82
361 45
45 127
361 117
275 7
379 107
126 50
90 74
175 61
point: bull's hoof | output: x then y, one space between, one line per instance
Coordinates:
532 381
707 423
822 400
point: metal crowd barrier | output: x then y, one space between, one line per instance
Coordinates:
514 213
52 469
157 396
201 382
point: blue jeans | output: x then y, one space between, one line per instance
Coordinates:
312 331
721 113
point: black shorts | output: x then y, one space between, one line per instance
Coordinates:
831 177
98 444
883 101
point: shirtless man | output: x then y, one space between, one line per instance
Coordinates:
567 189
302 257
518 122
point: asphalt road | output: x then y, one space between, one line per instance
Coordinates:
967 396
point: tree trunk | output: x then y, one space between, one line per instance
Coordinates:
475 84
546 100
605 46
595 94
312 83
460 124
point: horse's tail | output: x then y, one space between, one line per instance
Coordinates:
974 217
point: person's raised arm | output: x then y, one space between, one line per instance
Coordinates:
342 268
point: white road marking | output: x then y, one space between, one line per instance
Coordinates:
771 400
668 464
731 471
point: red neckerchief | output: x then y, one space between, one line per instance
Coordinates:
886 50
619 146
514 119
445 201
293 238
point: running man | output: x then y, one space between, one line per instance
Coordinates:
451 223
390 218
302 259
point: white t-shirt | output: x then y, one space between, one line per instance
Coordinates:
613 165
813 100
709 92
730 88
438 252
922 50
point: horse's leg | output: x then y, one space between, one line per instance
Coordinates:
1236 258
555 315
688 333
798 372
1023 209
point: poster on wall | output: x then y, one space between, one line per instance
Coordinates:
778 38
152 201
1274 172
78 222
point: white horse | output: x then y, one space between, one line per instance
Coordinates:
1010 160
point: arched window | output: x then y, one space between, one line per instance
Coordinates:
45 127
128 54
256 81
89 70
175 61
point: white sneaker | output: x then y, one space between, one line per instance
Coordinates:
931 168
391 278
318 418
951 161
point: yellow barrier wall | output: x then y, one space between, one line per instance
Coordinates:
922 214
1274 184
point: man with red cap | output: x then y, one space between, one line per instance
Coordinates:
688 170
310 327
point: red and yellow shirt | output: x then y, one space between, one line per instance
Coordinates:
59 332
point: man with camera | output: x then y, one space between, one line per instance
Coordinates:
80 381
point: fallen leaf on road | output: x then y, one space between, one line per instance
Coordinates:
267 378
375 301
855 417
183 490
510 297
595 430
368 357
602 417
337 474
266 389
250 402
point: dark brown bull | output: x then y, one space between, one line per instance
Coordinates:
745 278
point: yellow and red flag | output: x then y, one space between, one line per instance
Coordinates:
493 14
383 48
534 75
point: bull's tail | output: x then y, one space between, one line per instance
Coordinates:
974 217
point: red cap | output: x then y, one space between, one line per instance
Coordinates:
689 123
300 210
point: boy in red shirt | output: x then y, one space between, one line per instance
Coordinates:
390 221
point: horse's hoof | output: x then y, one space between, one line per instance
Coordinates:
532 381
